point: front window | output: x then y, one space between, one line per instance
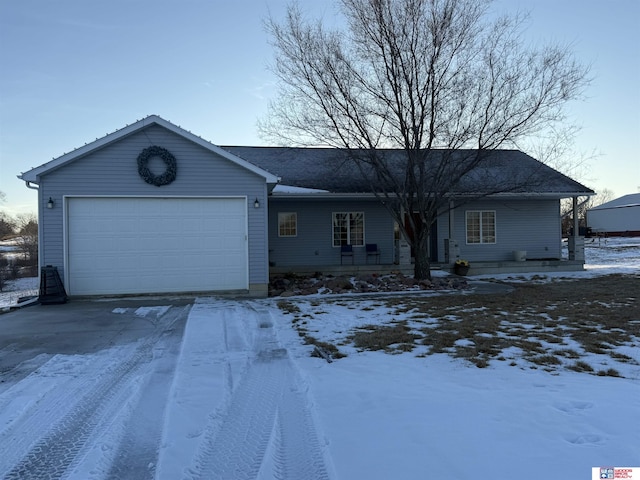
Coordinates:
481 226
287 224
348 229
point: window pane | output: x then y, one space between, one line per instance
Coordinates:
348 229
356 229
488 227
287 224
473 227
340 225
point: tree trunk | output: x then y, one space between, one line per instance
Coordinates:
422 265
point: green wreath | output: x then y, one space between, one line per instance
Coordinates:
147 175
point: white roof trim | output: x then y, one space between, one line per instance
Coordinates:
293 190
326 194
34 174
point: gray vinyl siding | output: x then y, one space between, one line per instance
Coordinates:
313 244
113 171
530 225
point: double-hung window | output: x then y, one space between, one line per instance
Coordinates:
481 226
348 229
287 224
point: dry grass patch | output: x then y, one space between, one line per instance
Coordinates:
550 325
539 320
326 347
397 337
581 366
288 307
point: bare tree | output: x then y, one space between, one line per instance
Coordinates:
602 196
27 225
7 225
566 209
556 147
437 79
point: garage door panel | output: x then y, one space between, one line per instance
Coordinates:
155 245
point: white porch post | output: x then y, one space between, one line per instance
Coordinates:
404 249
576 220
576 242
451 247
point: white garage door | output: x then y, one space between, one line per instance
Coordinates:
156 245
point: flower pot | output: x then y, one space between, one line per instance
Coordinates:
461 269
519 255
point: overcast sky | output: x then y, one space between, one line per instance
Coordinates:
74 70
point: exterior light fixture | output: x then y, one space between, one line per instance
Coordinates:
50 203
256 204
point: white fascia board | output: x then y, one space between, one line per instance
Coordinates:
321 194
34 174
558 195
290 189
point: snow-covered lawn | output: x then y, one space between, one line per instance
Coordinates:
414 415
245 399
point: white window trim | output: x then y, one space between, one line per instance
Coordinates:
495 227
295 215
364 240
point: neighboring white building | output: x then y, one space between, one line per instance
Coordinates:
619 217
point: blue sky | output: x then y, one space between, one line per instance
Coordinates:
74 70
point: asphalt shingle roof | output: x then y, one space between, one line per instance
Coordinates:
332 170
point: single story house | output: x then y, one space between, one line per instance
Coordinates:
617 218
153 208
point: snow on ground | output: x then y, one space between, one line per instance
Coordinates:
402 416
246 400
15 289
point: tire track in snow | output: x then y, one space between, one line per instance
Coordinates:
267 430
137 453
70 432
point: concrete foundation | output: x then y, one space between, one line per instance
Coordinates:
477 268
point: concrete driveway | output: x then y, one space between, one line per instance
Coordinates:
32 335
